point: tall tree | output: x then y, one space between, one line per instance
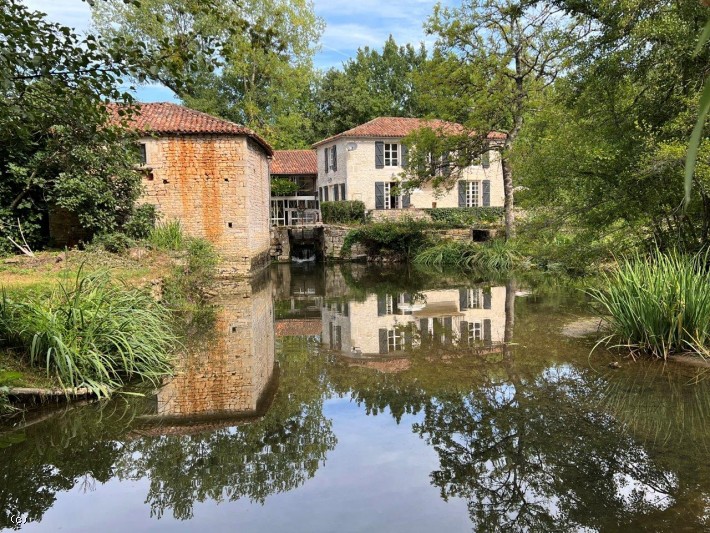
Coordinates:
373 84
605 158
58 146
493 59
263 50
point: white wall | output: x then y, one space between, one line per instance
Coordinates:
357 169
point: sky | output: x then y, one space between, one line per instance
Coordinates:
350 24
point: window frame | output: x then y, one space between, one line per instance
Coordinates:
391 155
473 199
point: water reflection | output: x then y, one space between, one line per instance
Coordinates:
510 419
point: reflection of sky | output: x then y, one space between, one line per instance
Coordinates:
376 479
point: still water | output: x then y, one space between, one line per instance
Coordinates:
357 399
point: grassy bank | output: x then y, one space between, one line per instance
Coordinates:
659 305
96 319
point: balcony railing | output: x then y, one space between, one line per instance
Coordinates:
298 210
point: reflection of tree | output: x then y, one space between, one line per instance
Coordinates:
275 454
527 455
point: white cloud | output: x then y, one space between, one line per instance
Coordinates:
73 13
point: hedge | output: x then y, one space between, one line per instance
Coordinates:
342 212
465 216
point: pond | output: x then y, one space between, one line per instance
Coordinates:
354 398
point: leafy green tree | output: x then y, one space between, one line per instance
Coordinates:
58 144
603 160
492 61
371 85
263 50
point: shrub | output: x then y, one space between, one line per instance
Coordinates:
283 187
660 305
494 256
465 216
93 333
190 282
401 240
141 222
168 236
115 243
343 212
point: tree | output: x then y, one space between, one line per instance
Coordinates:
58 143
371 85
603 161
263 51
492 61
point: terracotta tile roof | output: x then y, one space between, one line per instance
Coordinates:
168 118
297 327
294 162
400 127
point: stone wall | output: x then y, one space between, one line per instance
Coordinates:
217 186
381 215
229 372
333 240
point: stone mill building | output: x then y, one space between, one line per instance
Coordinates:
210 174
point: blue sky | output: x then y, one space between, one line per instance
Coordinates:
350 24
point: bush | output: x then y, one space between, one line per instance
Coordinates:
141 222
283 187
465 216
495 256
190 282
94 333
168 236
660 305
400 240
115 243
343 212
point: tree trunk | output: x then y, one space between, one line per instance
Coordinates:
509 202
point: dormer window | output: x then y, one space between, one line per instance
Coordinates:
143 154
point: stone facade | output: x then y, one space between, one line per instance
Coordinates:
356 170
217 186
230 373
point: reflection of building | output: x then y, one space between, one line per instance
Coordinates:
231 372
387 323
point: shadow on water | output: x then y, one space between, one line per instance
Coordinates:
520 426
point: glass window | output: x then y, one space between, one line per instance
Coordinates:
143 154
395 340
472 193
391 155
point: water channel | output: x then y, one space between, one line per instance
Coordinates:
351 398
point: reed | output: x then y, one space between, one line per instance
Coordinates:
91 332
659 306
168 236
494 256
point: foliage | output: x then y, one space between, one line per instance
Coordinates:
57 145
395 240
141 222
167 236
115 243
491 62
460 217
495 256
91 333
373 84
264 50
186 289
659 306
283 187
343 212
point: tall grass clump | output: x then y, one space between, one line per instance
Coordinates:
91 333
493 256
168 236
190 283
659 306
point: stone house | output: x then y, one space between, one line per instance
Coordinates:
302 207
365 163
210 174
